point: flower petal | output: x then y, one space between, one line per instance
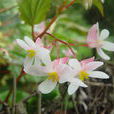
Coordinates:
47 86
92 65
36 70
93 35
22 44
63 60
104 34
78 82
98 74
29 42
39 27
108 46
72 88
102 54
39 42
74 63
65 74
44 56
28 62
85 61
75 84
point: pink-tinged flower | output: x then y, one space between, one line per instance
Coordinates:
96 40
39 28
68 53
56 71
83 70
102 1
36 53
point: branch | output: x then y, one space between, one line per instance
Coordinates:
99 84
14 95
32 95
17 80
56 39
60 9
7 9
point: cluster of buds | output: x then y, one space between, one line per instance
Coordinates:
67 69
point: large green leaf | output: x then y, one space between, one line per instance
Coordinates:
33 11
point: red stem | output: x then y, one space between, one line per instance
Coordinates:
63 42
62 7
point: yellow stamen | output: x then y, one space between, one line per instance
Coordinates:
83 75
31 53
53 76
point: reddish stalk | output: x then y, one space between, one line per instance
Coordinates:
62 7
63 42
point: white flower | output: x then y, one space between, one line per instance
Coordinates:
56 71
39 27
102 1
97 41
83 70
36 53
68 53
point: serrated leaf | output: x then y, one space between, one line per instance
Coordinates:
33 11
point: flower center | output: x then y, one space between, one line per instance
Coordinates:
31 53
83 75
53 76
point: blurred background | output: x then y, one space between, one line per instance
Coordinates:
71 26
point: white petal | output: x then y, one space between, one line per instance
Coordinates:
93 65
98 74
37 60
102 54
72 88
22 44
29 42
47 86
36 70
28 62
44 56
104 34
77 82
66 74
108 46
74 63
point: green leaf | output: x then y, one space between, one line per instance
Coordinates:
99 5
33 11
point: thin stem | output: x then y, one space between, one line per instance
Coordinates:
60 9
7 9
14 95
17 80
33 37
66 104
62 42
74 103
39 103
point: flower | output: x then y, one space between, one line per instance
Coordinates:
68 53
83 70
56 71
96 40
36 53
39 28
102 1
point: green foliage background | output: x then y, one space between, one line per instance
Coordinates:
71 25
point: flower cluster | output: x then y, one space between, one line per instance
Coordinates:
38 62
